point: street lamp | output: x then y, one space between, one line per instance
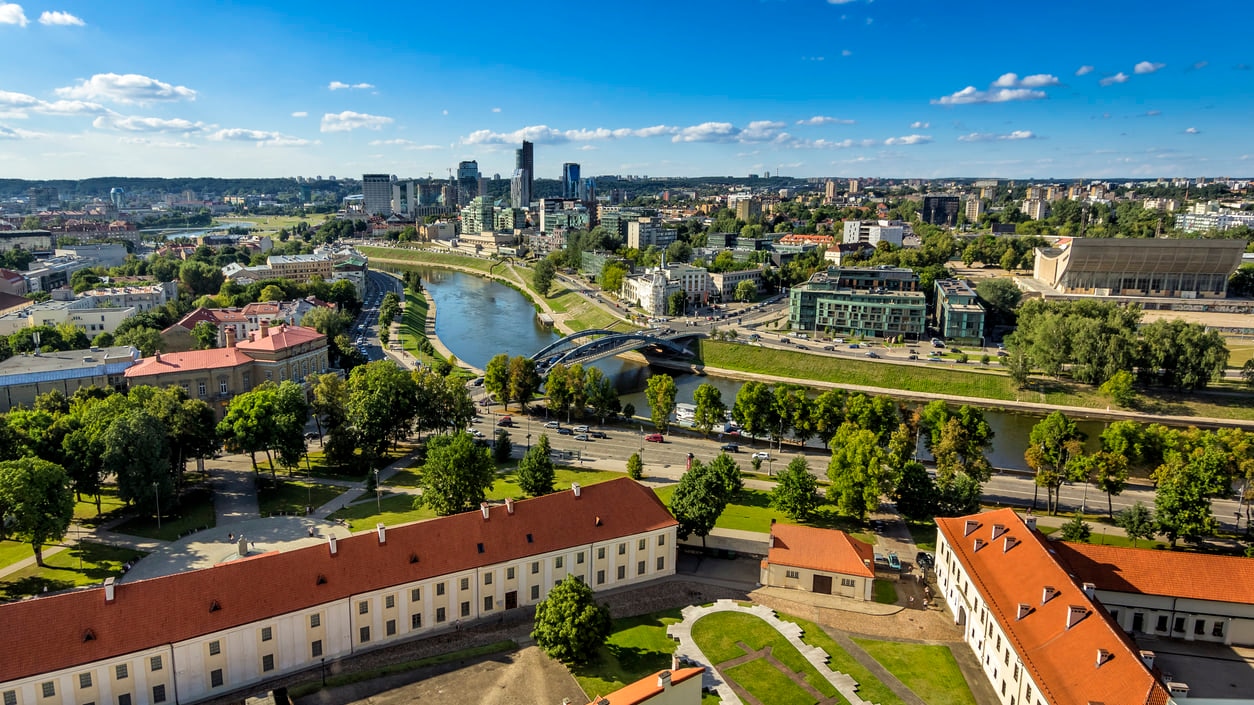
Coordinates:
378 492
156 494
770 467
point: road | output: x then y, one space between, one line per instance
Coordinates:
366 326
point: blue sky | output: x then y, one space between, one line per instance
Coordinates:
904 88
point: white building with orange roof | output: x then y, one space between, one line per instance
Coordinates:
676 686
824 561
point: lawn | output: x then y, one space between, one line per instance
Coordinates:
292 496
397 509
637 647
83 564
195 512
752 511
414 327
885 592
923 534
315 464
764 680
717 634
928 670
13 551
85 510
427 256
869 687
1108 539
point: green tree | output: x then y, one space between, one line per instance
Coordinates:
635 466
496 378
796 492
456 475
612 275
557 389
542 277
1182 497
577 379
328 322
569 625
382 407
676 303
205 334
146 340
699 500
855 471
329 400
502 446
660 391
1137 522
137 452
1051 445
1109 473
754 408
200 278
602 395
710 411
536 473
916 493
958 496
524 380
746 291
1077 530
1119 388
36 502
827 415
1247 371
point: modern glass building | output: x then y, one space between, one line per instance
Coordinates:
860 301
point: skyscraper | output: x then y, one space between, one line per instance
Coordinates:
570 180
519 189
467 182
525 158
376 194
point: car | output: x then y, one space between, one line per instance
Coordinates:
476 382
564 431
553 424
655 438
924 559
893 561
829 348
581 429
598 434
311 436
873 354
855 346
505 421
881 559
761 455
938 343
1002 353
802 347
838 341
581 437
476 433
730 448
913 356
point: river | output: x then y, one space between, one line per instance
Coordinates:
477 318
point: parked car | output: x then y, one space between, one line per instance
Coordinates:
655 438
581 429
762 455
581 437
938 343
924 559
730 447
553 424
311 436
893 561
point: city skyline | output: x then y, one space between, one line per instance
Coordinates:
886 88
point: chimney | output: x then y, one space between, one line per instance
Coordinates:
664 680
1047 594
110 594
1103 656
979 543
509 505
230 336
1009 543
1090 590
1030 522
1147 658
675 662
1024 610
1074 614
331 544
574 487
158 356
970 526
1179 691
770 542
998 530
383 537
483 507
265 329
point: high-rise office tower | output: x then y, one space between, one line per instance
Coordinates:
467 182
525 158
376 194
519 188
570 180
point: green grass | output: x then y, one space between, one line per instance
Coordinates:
397 509
194 512
923 534
637 647
768 684
928 670
336 681
869 687
13 551
272 223
62 570
414 327
110 504
427 256
885 592
315 464
752 511
292 496
717 634
1098 537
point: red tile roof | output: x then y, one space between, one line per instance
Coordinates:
1062 661
1155 572
279 338
827 550
645 689
163 363
173 608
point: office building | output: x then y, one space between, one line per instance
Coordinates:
959 315
748 209
525 159
1036 208
25 377
652 290
467 182
940 210
117 197
873 232
42 198
647 230
477 216
1167 268
35 241
860 301
376 193
570 180
854 187
404 198
974 209
520 189
829 191
724 284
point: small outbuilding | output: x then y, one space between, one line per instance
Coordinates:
823 561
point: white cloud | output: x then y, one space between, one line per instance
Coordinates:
824 120
1085 69
160 144
126 88
1147 67
1200 65
349 120
991 137
71 107
64 19
1120 77
908 139
755 132
587 148
407 144
339 86
496 110
17 100
262 138
1012 80
1192 131
920 125
842 144
134 123
300 114
971 96
15 133
444 112
707 132
846 52
839 2
11 13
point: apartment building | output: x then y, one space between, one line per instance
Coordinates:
959 315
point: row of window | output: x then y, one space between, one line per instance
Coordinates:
49 690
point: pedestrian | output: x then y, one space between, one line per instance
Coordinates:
231 537
912 600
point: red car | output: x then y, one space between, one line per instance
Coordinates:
655 438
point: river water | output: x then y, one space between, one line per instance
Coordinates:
478 318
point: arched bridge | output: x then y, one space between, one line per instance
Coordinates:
591 345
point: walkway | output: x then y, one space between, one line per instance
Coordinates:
234 490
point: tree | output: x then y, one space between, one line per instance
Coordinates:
612 275
36 502
382 407
1109 473
144 339
635 467
502 446
661 391
916 494
1247 371
1051 445
754 408
676 303
602 395
137 452
329 394
542 278
577 379
710 411
699 500
496 378
569 625
827 414
206 335
200 278
1181 498
1137 522
959 496
328 322
456 475
855 470
557 389
746 291
524 380
1119 388
796 493
957 440
1077 530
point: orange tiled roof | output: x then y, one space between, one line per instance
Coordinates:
279 338
644 690
163 363
173 608
1063 661
1151 572
828 550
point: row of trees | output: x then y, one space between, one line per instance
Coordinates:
511 379
574 388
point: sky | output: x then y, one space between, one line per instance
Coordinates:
887 88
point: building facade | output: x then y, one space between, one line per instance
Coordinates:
301 267
959 315
25 377
873 232
823 561
203 634
940 210
723 284
376 193
860 301
647 230
1151 267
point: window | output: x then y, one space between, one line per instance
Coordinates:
1200 627
792 574
440 615
466 608
600 577
363 607
622 572
439 588
601 553
640 546
509 573
267 662
535 592
415 621
465 583
415 595
200 387
154 663
661 562
1027 693
315 621
389 627
487 604
363 634
315 649
389 602
622 549
267 633
487 578
1179 625
84 680
640 568
158 693
215 678
215 648
579 558
124 699
222 386
557 562
535 567
1218 629
846 582
661 540
10 697
121 671
49 689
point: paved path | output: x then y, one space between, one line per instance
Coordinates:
234 490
